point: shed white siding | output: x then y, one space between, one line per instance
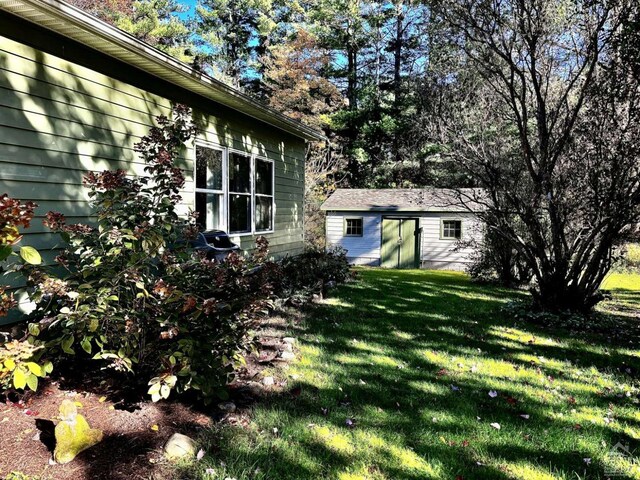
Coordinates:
435 252
446 254
364 250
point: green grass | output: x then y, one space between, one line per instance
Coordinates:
622 281
410 357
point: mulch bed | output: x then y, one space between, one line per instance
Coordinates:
135 430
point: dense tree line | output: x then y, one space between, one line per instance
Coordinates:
535 101
367 86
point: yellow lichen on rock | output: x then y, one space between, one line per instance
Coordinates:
73 434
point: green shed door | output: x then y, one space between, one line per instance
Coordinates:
399 243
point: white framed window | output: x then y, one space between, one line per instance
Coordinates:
263 180
353 227
451 229
235 191
209 187
240 211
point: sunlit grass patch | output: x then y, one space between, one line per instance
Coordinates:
417 375
334 440
624 281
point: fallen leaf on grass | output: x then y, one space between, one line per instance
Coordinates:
587 461
525 416
350 422
102 399
455 388
493 393
201 454
155 428
496 426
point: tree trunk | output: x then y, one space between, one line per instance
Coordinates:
397 77
555 294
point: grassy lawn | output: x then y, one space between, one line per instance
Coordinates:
418 374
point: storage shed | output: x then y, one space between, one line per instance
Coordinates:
404 228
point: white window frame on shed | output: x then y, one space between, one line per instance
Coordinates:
442 236
345 226
224 222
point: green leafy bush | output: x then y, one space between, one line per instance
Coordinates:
313 270
495 261
136 298
630 258
19 367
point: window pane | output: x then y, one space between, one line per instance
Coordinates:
354 227
208 168
452 229
239 173
264 177
264 208
209 208
239 213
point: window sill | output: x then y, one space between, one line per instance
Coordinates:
249 234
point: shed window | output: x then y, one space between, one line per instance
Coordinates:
353 227
234 191
452 229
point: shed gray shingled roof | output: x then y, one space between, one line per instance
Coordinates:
402 200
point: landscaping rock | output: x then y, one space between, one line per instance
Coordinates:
287 356
289 340
73 434
268 381
228 407
288 347
179 446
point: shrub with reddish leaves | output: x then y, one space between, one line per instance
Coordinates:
137 298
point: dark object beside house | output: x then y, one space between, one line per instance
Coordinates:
215 243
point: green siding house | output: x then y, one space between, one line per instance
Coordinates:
76 94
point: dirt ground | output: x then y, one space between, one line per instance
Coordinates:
134 431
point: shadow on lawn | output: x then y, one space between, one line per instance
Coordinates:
384 341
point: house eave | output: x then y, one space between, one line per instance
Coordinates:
71 22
